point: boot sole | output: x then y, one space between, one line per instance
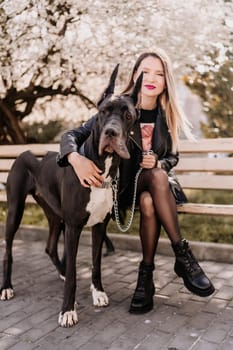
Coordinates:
142 310
201 293
145 309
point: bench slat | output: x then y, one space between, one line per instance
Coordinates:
221 182
207 145
187 208
206 209
6 164
206 181
201 146
185 164
12 151
205 164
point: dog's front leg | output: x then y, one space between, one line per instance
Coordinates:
68 316
99 297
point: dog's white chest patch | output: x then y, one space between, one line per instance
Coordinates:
101 200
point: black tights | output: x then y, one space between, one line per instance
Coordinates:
157 208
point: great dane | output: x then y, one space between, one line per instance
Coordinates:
67 204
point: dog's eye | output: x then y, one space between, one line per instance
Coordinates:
103 111
128 115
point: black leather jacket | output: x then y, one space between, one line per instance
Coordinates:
161 144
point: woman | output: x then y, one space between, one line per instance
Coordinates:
153 147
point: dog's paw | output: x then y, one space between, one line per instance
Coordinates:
99 298
68 319
6 294
63 278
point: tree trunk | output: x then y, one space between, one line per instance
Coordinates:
12 125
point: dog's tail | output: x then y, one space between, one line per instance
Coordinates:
30 162
21 178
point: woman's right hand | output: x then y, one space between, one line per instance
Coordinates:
86 170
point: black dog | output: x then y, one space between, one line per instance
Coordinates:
68 205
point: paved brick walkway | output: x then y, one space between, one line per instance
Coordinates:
179 320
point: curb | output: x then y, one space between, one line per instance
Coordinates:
217 252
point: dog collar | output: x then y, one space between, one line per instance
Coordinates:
106 184
112 183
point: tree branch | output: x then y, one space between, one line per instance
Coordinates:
12 124
31 95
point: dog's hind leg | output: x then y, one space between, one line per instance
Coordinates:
109 245
55 230
13 220
56 226
99 297
19 184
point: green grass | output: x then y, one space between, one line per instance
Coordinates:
193 227
33 215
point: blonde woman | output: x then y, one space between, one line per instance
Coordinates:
153 147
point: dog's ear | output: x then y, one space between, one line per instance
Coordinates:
108 92
137 88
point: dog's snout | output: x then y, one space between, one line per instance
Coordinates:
111 132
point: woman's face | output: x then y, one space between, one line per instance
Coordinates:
153 82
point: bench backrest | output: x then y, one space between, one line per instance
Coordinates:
8 154
206 164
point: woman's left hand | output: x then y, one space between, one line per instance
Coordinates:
149 161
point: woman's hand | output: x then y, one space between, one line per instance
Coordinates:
86 170
150 160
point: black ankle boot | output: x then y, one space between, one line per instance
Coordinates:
142 300
187 267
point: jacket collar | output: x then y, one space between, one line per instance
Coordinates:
135 135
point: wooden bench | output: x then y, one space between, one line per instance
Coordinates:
205 164
8 154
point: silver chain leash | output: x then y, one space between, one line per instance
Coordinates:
115 203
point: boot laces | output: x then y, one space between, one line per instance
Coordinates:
190 260
142 278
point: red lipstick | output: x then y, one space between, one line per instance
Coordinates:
149 87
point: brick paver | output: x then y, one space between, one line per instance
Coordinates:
180 320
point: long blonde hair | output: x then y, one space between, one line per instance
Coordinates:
175 118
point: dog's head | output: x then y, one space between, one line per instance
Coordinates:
116 116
